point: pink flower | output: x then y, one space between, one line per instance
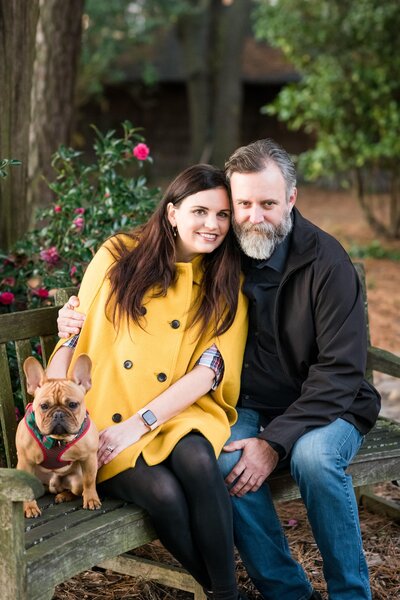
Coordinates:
6 298
141 151
72 271
10 281
107 195
50 255
57 208
42 293
79 211
79 223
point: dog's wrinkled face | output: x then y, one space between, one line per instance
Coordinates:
59 407
58 404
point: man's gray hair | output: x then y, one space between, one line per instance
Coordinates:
255 157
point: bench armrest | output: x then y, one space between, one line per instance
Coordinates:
383 361
18 486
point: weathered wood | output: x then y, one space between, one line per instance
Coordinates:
168 575
28 324
12 564
8 419
383 361
23 349
62 294
379 505
16 486
47 344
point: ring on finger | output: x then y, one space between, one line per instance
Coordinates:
110 449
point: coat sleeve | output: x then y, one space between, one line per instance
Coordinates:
334 379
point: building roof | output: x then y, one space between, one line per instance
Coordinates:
260 62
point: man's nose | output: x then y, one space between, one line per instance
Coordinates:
256 215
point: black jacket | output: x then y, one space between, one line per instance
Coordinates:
321 338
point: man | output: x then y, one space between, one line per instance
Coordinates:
304 402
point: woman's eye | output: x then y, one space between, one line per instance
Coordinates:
199 211
224 215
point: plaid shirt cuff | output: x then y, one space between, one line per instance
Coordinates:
72 341
213 359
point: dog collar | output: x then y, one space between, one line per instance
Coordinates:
47 441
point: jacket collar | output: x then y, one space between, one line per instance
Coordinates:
304 242
195 267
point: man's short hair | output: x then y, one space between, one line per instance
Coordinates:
255 157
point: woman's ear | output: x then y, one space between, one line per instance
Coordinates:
171 214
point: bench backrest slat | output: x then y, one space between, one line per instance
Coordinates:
8 418
23 349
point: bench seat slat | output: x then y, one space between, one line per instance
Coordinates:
58 518
82 547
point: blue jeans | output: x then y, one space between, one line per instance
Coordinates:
318 464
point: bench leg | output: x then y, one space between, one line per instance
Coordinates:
376 504
12 547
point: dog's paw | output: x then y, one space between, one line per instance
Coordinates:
92 503
31 510
65 496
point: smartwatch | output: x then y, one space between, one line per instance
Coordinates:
148 418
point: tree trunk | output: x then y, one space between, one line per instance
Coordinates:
231 25
194 35
18 20
58 42
391 228
212 39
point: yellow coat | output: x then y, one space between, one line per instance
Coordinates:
131 368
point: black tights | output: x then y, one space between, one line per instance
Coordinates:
190 508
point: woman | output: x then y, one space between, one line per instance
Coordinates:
165 328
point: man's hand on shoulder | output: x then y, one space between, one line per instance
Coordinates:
257 462
69 320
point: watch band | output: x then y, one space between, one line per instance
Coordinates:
148 418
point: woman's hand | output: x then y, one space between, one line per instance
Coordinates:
69 320
116 438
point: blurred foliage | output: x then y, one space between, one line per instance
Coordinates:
348 54
91 202
5 163
373 250
115 27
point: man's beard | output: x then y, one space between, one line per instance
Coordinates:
260 240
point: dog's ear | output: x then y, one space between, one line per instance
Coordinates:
34 374
81 371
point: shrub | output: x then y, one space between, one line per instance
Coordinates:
91 202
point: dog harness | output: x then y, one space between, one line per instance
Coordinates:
52 449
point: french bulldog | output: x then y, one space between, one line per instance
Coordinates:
56 440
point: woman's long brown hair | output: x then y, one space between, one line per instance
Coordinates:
150 265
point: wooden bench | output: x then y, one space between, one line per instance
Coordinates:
36 555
